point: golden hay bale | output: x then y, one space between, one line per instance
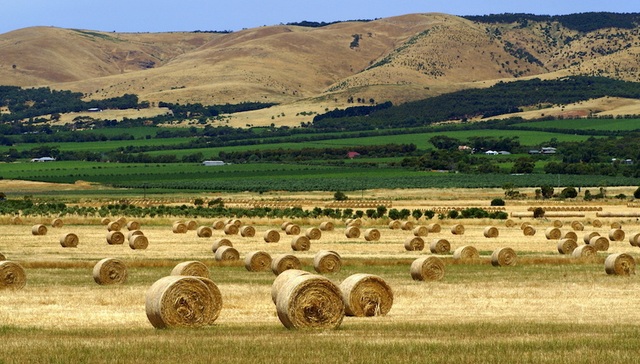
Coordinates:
616 235
313 233
182 301
179 228
394 224
69 240
434 228
219 243
524 225
57 223
504 257
584 251
271 236
634 239
292 229
236 222
357 222
366 295
132 233
588 236
257 261
282 279
133 225
247 231
327 226
529 230
427 269
283 262
352 232
327 261
567 246
466 252
457 229
218 225
16 220
138 242
2 257
114 226
191 225
596 223
105 221
440 246
577 226
509 223
230 229
491 232
39 229
553 233
372 234
110 271
300 243
414 243
115 238
616 225
557 224
204 231
191 268
570 235
227 253
406 225
420 231
310 302
12 276
284 225
600 243
620 264
121 221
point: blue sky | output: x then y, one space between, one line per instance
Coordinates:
189 15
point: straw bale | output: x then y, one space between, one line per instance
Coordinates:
596 223
110 271
179 228
372 234
282 279
567 246
225 253
327 226
218 225
428 268
12 276
509 223
133 232
588 236
138 242
231 229
257 261
313 233
491 232
434 228
366 295
529 230
557 224
352 232
420 231
620 264
466 252
394 224
271 236
553 233
300 243
414 243
133 225
327 261
357 222
39 229
284 225
204 231
57 223
69 240
616 225
16 220
504 257
114 226
191 268
440 246
570 235
283 262
584 251
634 239
191 225
310 302
292 229
616 234
247 231
105 221
600 243
577 226
115 238
406 225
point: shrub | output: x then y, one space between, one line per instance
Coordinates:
497 202
569 192
453 214
340 196
538 212
636 194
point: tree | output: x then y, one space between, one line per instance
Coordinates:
538 212
417 214
497 202
340 196
636 194
569 192
546 191
523 165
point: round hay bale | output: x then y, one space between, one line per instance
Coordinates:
616 225
557 224
191 225
110 271
420 231
553 233
271 236
509 223
457 229
596 223
466 252
132 233
634 239
247 231
406 225
292 229
191 268
283 262
39 229
179 228
133 225
327 261
204 231
138 242
394 224
366 295
114 226
327 226
357 222
236 222
584 251
69 240
504 257
105 221
310 302
2 257
121 221
620 264
220 242
284 225
282 279
577 226
616 235
12 276
600 243
434 228
567 246
227 253
313 233
115 238
352 232
524 225
57 223
231 229
182 301
570 235
491 232
588 236
218 225
372 234
257 261
427 269
300 243
529 230
414 243
16 220
440 246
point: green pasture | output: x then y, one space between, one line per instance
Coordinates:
586 124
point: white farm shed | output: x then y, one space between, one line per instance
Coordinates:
213 163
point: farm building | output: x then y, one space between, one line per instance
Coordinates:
213 163
43 159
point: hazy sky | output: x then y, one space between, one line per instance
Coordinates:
189 15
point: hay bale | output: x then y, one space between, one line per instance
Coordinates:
357 222
283 262
491 232
110 271
466 252
620 264
192 268
529 230
257 261
138 242
105 221
427 269
191 225
434 228
420 231
414 243
313 233
247 231
182 301
231 229
282 280
570 235
509 223
504 257
225 253
584 251
133 233
553 233
16 220
524 225
557 224
121 221
114 226
12 276
310 302
588 236
39 229
2 257
327 226
616 234
577 226
204 231
406 225
634 239
292 229
57 223
457 229
133 225
271 236
218 225
352 232
179 228
236 222
596 223
616 225
69 240
115 238
372 234
394 224
300 243
327 261
219 243
440 246
600 243
567 246
284 225
366 295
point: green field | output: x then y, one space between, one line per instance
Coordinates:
586 124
